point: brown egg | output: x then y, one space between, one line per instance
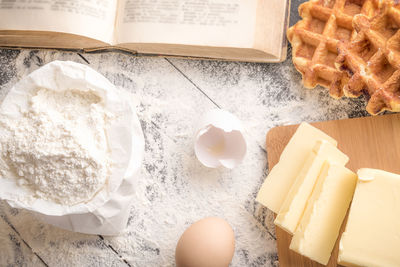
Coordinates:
209 242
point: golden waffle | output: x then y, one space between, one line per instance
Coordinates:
372 60
315 38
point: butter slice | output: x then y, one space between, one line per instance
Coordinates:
372 235
293 207
279 181
326 209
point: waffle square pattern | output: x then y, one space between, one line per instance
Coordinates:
315 39
371 61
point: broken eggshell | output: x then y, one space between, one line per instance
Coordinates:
219 140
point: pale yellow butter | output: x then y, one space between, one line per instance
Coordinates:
293 207
372 235
282 176
326 209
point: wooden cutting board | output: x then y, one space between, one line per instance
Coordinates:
372 142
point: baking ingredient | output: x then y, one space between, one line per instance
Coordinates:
282 176
372 235
58 148
319 227
293 207
76 124
219 140
209 242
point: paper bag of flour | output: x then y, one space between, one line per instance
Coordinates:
71 149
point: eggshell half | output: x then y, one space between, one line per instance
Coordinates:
220 140
209 242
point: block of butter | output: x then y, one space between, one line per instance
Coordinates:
282 176
372 235
293 207
326 209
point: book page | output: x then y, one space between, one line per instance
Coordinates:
225 23
272 20
91 18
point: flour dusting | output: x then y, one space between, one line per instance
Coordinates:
58 147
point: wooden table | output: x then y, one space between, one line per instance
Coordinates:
175 189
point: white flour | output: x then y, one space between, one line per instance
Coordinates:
58 148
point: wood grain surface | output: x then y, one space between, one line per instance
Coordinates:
371 142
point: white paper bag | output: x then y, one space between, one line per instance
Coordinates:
107 212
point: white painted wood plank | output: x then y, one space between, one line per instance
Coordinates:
13 250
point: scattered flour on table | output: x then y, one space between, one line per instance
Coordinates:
175 190
58 147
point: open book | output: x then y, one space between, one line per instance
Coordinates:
244 30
